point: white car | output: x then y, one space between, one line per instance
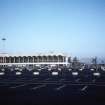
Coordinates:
54 73
96 74
92 69
70 69
18 73
103 68
3 69
2 73
35 73
59 69
74 73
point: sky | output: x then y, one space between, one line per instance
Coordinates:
76 27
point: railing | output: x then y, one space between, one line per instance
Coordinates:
39 63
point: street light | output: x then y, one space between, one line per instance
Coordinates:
3 40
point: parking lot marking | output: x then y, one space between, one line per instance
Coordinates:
33 79
84 88
60 87
19 86
93 80
47 79
61 79
37 87
77 80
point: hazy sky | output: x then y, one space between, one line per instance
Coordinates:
73 26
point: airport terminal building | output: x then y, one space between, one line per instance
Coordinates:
33 59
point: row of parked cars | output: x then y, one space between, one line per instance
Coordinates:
54 71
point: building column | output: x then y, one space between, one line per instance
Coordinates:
37 59
4 59
63 58
42 59
23 59
0 59
18 59
14 59
9 59
33 58
28 59
66 60
58 59
47 59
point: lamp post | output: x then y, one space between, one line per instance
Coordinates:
3 40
